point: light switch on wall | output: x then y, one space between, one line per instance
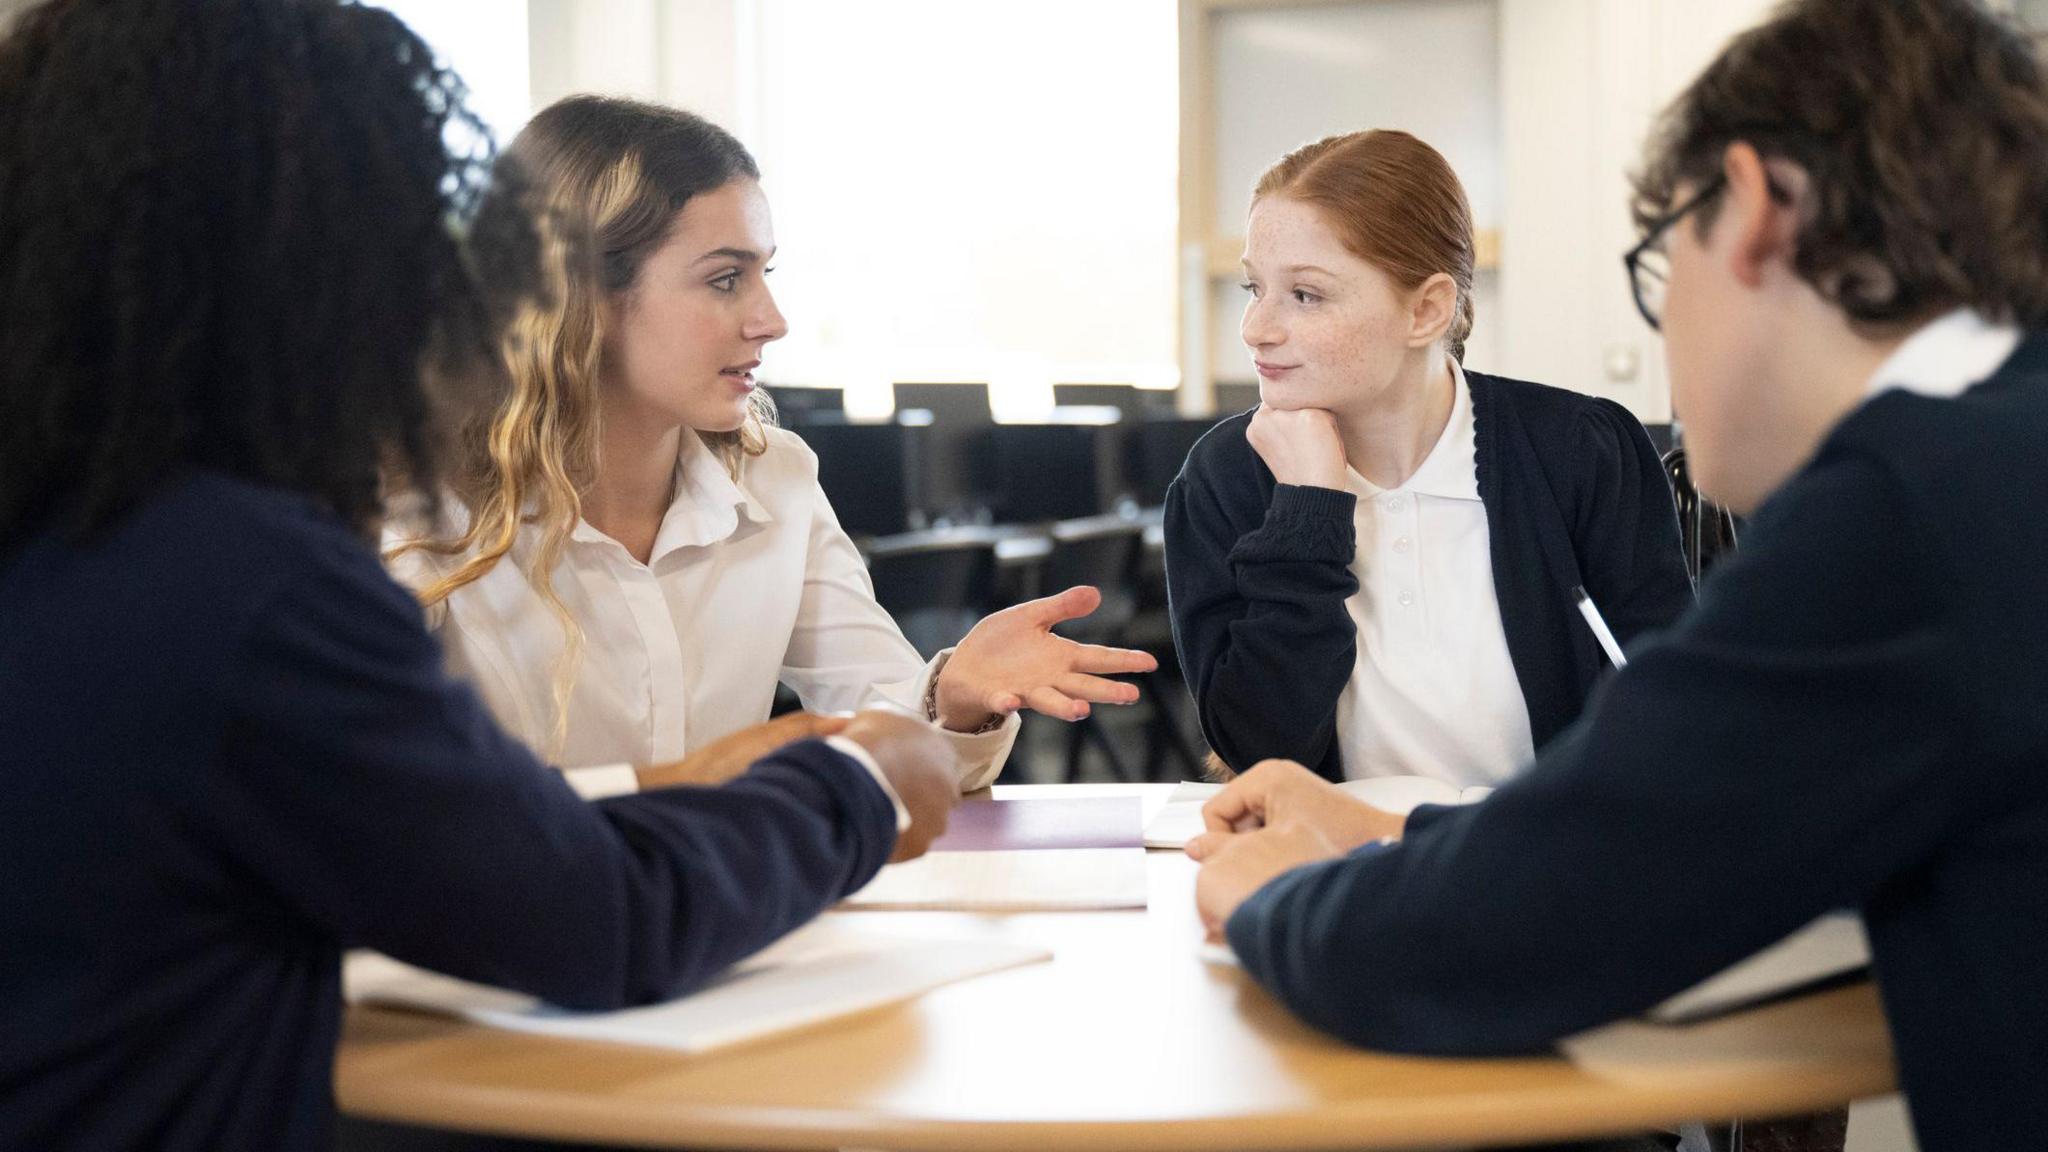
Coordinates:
1623 362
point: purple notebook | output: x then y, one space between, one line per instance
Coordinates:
1004 825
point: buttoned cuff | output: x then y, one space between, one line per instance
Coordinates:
861 756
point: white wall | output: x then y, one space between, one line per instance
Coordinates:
1286 76
1577 82
1581 82
692 53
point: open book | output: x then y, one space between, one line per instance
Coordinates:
1181 819
816 974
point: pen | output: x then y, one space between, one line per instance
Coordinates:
1599 628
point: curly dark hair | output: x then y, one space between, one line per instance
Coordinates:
1923 126
234 236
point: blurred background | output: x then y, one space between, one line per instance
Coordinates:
1009 238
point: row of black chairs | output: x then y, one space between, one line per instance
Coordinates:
918 471
938 583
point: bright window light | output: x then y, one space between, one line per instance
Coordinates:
484 41
970 192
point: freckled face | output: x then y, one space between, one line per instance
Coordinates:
682 343
1325 328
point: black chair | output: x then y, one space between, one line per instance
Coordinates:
936 584
1154 451
870 472
1055 470
795 405
1706 530
1132 401
1102 551
957 482
1232 399
964 403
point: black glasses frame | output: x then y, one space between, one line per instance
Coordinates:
1633 261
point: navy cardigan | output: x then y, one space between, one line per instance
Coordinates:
1257 572
1852 718
228 751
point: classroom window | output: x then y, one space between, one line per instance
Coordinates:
969 192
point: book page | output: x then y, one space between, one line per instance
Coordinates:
1402 794
1180 819
816 974
1029 880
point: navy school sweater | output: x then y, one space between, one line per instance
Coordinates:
1855 716
1258 572
228 751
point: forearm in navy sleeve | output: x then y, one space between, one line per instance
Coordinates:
717 874
385 809
1781 753
1260 622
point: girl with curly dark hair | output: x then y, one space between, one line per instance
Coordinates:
240 272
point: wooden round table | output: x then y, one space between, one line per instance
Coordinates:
1127 1039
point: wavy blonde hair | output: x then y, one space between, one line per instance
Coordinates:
611 176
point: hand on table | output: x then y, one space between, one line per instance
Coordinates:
918 763
1013 660
1282 792
1244 863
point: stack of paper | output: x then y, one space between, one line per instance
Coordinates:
1180 820
1023 856
816 974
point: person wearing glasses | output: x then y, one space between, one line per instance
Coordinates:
1851 285
1374 572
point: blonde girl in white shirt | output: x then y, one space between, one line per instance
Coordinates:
636 555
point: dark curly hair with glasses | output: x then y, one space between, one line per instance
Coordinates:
234 236
1923 126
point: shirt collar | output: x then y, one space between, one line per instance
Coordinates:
1450 471
1947 357
707 507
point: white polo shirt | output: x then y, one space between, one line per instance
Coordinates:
1434 692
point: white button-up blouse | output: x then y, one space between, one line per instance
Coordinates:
1434 692
750 582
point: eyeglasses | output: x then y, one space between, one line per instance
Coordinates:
1649 266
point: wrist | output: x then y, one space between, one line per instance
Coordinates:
954 715
1371 826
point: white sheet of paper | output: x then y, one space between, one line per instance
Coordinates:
817 974
1179 820
1035 880
1831 946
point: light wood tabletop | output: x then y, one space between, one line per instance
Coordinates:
1128 1039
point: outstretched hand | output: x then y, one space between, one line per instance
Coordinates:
1012 660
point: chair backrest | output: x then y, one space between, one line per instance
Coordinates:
1054 471
1154 451
937 589
795 403
948 403
870 472
1232 399
1706 531
1102 551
